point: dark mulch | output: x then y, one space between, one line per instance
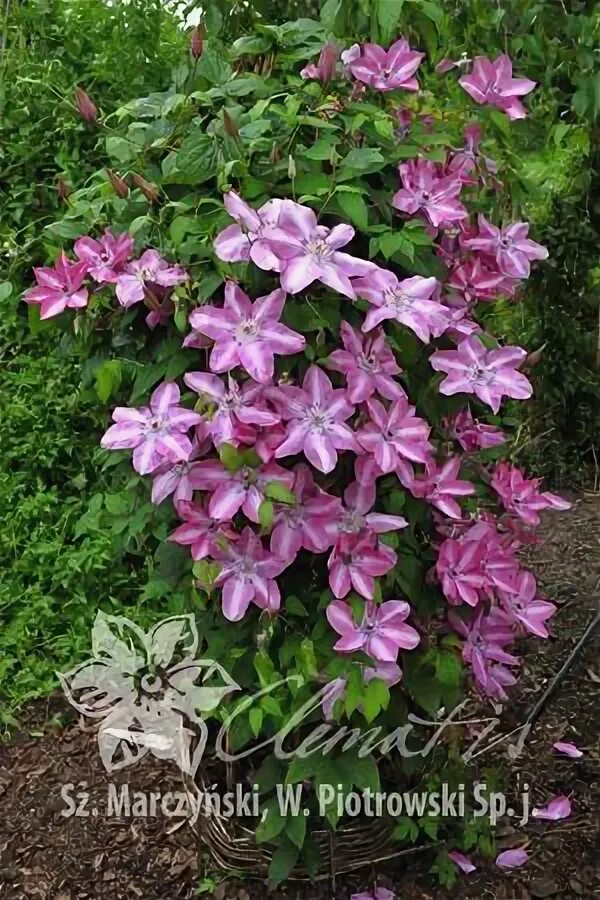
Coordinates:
44 854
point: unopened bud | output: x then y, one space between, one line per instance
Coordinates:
533 358
63 189
85 107
291 167
230 126
150 191
197 42
120 187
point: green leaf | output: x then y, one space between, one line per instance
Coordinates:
213 64
120 149
376 698
196 157
231 457
256 718
284 860
448 669
5 290
296 828
393 241
275 490
266 514
108 379
360 771
387 13
251 45
363 159
355 208
271 824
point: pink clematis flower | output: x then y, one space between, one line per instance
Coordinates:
200 531
247 576
459 569
241 242
382 632
387 70
59 288
237 408
354 563
105 257
463 862
509 245
268 440
310 252
558 808
243 489
465 162
522 496
316 416
407 301
522 607
473 435
568 749
368 365
489 374
498 565
149 269
156 433
424 190
247 334
355 516
178 480
492 82
485 639
472 281
439 486
512 859
306 524
378 893
325 69
395 435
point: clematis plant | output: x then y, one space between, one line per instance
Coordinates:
337 467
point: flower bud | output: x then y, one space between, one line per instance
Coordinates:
150 191
230 126
197 42
120 187
291 167
63 188
85 107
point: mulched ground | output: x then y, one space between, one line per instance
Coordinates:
44 854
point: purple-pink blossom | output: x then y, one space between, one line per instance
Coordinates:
247 334
439 485
157 433
489 374
368 365
395 435
247 575
568 749
458 567
355 562
473 435
473 281
316 415
408 302
238 409
325 69
463 862
310 252
522 496
510 246
243 241
381 634
58 288
199 531
519 602
178 479
558 808
355 516
387 70
306 523
486 636
141 274
430 192
492 82
106 256
512 859
242 489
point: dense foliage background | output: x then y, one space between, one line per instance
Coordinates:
77 530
